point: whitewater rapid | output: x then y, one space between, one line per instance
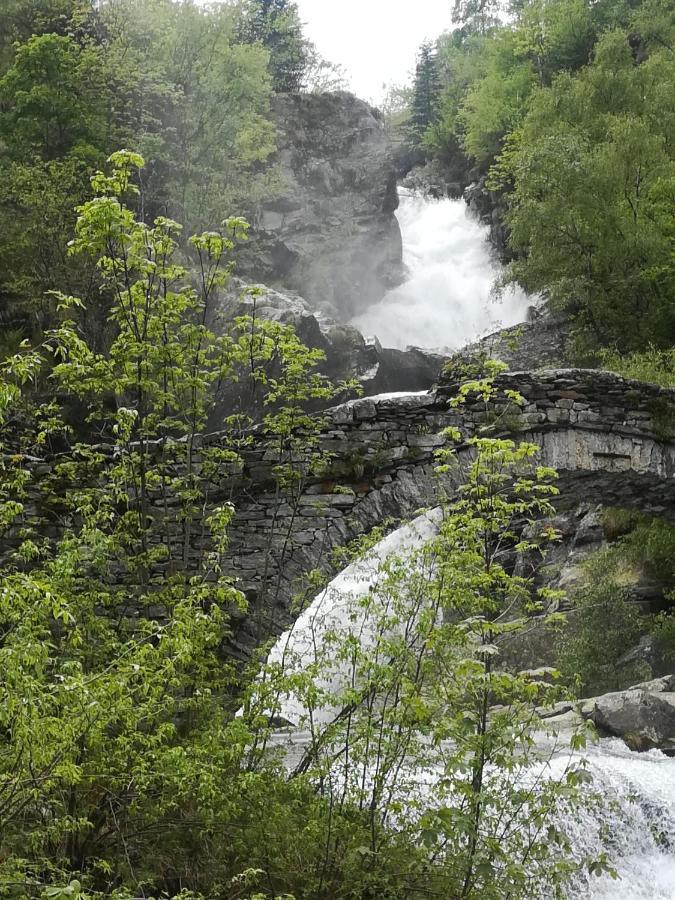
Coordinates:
635 823
446 299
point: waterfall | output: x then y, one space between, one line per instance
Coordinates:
635 823
446 300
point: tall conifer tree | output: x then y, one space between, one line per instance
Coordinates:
425 92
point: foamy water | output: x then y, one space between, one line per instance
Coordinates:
634 825
446 301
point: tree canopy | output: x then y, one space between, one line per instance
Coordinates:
568 106
187 86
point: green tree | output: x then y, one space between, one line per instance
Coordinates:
22 19
195 101
53 126
276 25
166 79
52 98
593 173
413 720
477 15
426 89
119 764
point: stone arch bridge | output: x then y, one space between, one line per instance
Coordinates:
612 441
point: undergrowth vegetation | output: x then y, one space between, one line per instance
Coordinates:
596 645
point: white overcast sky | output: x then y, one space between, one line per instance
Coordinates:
375 40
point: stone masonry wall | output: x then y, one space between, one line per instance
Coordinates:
612 440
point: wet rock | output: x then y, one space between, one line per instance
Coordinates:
490 208
541 342
643 716
348 354
433 179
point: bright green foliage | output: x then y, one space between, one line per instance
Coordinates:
410 691
657 366
461 62
495 104
594 172
52 98
120 769
491 72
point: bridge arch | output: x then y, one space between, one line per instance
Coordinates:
611 439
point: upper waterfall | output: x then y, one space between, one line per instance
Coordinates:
446 301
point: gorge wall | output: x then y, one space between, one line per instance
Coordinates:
329 232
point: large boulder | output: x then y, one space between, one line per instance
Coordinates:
433 179
643 716
330 232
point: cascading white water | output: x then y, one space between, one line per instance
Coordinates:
635 827
635 823
446 300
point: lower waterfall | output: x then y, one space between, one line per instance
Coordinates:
634 825
446 300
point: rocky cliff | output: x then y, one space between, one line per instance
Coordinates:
544 341
329 232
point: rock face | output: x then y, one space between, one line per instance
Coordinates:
643 715
490 209
435 180
330 233
541 342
